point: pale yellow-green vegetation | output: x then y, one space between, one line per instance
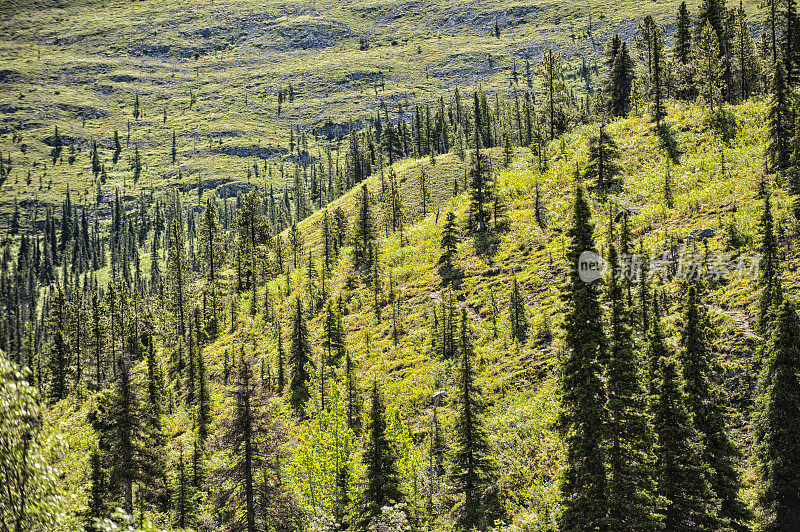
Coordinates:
66 60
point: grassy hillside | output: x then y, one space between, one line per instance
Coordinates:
209 73
519 380
216 67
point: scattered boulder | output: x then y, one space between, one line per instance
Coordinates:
702 234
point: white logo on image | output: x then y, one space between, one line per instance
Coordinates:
591 266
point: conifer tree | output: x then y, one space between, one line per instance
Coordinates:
705 401
748 65
683 35
181 494
251 227
177 276
583 418
212 254
124 436
780 122
60 369
480 192
689 502
473 473
300 360
620 81
658 81
656 347
553 90
364 232
709 65
382 487
333 341
96 507
603 155
517 313
777 433
771 293
203 399
96 167
281 356
632 505
449 241
248 495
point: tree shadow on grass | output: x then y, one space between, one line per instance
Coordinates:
668 142
452 276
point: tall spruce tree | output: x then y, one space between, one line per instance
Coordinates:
517 313
689 503
480 186
177 276
709 65
705 401
364 232
632 505
212 254
683 35
382 486
776 428
583 418
474 473
656 346
771 293
603 156
620 82
300 360
449 241
553 91
780 122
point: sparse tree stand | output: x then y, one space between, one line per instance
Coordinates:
777 432
583 397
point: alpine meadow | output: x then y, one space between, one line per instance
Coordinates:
399 266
